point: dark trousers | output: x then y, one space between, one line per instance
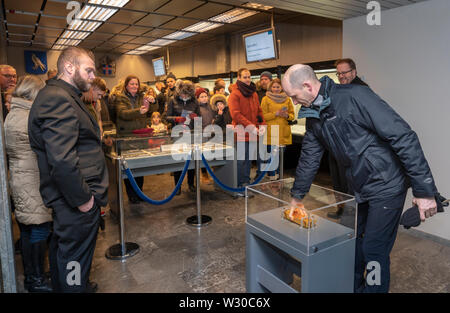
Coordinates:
130 191
190 175
35 232
72 247
377 224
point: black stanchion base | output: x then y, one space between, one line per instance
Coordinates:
193 221
115 252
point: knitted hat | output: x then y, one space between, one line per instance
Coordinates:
171 75
267 74
199 91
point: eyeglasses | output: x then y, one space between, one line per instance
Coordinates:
8 76
343 73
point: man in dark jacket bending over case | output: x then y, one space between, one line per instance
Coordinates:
73 174
382 157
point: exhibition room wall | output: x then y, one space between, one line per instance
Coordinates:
406 61
303 39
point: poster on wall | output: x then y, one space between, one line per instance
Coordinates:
106 66
35 62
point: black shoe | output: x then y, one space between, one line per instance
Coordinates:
91 287
133 199
192 188
336 214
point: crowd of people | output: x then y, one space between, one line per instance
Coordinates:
55 140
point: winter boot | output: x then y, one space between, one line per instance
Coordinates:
40 283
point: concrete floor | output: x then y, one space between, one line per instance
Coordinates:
175 257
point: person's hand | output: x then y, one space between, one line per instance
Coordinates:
427 207
262 130
87 206
149 99
294 203
144 108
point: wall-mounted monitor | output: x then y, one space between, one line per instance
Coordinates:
260 46
159 66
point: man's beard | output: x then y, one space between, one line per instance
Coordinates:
82 84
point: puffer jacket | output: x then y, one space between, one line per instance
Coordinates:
23 167
381 154
179 107
269 108
244 111
128 116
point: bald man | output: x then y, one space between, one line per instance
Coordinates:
8 80
382 157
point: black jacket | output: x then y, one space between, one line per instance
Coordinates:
66 139
381 154
178 107
224 119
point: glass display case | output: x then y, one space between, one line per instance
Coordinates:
303 240
307 225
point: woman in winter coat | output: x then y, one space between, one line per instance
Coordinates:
181 110
278 109
33 217
133 110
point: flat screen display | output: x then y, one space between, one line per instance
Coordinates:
260 46
159 67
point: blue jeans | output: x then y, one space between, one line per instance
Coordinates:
378 222
244 165
35 233
269 150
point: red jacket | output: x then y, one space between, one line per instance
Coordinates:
244 111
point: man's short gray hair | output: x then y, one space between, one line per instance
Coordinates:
300 73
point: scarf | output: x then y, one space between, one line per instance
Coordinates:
277 97
246 90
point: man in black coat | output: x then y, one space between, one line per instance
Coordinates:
73 174
381 154
347 74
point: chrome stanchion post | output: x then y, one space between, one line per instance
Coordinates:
198 220
122 250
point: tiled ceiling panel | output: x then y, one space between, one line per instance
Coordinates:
208 10
135 30
56 8
52 22
145 5
22 19
20 30
122 38
127 17
154 20
24 5
158 33
50 32
141 40
178 23
99 36
179 7
111 28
